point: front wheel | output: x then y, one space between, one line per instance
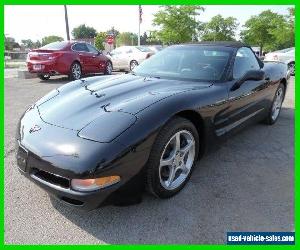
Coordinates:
75 71
172 158
44 77
276 105
108 68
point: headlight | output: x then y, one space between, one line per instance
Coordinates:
94 184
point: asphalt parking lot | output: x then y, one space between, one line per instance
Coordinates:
246 185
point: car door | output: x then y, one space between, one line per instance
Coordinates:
250 99
85 57
98 60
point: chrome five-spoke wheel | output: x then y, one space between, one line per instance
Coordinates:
177 160
277 104
172 158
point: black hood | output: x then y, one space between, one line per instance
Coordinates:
77 103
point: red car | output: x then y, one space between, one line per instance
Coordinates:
67 58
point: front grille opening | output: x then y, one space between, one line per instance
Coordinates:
72 201
52 178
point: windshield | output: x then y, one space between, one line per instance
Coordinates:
55 46
187 62
143 49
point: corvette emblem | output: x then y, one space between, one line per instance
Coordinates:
34 129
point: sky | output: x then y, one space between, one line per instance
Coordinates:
36 21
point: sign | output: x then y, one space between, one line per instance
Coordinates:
110 39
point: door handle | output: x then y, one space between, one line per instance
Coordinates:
94 56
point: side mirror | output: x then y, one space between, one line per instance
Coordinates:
251 75
99 52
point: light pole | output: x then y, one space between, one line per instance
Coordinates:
67 23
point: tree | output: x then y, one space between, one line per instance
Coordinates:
220 29
51 39
177 24
153 38
144 39
10 43
100 40
269 30
126 38
83 31
27 43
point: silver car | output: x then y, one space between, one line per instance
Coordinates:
285 55
128 57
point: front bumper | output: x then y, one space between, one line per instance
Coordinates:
52 156
81 200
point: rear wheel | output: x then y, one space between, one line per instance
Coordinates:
133 64
292 68
172 158
44 77
108 69
75 71
276 105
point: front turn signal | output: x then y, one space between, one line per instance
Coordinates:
94 184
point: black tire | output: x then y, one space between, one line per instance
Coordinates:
44 77
153 183
292 68
270 119
133 64
75 71
108 68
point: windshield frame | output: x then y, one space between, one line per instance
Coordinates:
224 74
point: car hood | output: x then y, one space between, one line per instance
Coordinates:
78 103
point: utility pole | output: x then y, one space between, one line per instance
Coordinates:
67 23
140 20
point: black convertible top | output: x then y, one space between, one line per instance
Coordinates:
233 44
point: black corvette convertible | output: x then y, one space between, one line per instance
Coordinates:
87 140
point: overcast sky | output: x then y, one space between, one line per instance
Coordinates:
36 21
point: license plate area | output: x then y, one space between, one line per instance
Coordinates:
22 156
37 67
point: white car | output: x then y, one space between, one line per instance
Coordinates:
285 55
128 57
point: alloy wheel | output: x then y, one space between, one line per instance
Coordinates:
277 104
76 71
177 160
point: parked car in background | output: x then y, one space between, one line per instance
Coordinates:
285 55
155 48
128 57
67 58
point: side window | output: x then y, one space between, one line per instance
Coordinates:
244 61
92 49
80 47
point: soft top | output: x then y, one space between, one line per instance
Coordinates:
233 44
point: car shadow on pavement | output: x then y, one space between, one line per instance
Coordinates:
246 185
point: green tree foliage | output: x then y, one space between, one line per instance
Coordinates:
144 39
10 43
219 29
27 43
153 38
177 24
126 38
51 39
269 30
83 31
100 40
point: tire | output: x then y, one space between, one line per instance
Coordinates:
292 68
133 64
44 77
75 71
108 68
275 109
158 178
